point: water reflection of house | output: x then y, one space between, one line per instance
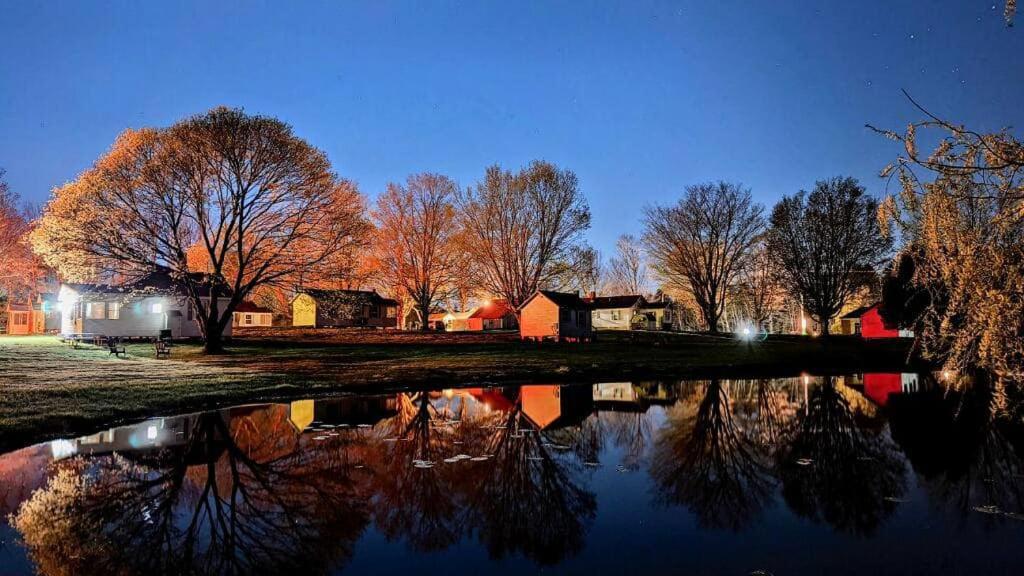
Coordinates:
879 386
144 437
550 406
627 396
352 411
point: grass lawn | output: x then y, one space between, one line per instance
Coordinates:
48 389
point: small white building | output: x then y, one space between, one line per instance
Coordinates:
149 308
249 315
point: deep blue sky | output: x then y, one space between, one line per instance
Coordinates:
638 98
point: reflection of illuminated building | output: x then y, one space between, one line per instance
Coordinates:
551 406
145 436
351 411
627 396
879 386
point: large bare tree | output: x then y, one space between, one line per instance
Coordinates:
703 242
627 270
824 241
261 205
524 230
416 239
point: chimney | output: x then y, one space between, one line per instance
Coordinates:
591 295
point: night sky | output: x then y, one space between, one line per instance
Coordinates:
638 98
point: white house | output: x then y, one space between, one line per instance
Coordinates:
630 312
149 308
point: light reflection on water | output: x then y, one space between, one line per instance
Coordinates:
882 472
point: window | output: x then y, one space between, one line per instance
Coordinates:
616 315
94 310
248 319
563 315
20 318
392 311
113 310
156 308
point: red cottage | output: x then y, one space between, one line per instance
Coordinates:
494 315
868 323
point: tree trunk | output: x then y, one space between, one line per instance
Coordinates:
424 305
214 338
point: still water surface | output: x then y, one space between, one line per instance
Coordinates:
875 473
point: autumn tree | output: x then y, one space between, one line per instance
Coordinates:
960 210
758 292
415 240
523 230
703 242
823 241
261 204
22 273
627 270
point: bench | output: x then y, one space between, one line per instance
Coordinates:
116 347
163 349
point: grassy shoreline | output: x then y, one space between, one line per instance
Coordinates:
48 390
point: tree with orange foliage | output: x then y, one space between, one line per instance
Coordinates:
524 231
415 244
21 272
262 205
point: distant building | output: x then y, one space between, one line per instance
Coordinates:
457 321
630 312
493 315
154 306
249 315
557 316
867 322
40 316
343 308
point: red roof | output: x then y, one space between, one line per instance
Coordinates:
493 310
246 306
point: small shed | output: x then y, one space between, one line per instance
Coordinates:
558 316
867 322
493 315
249 315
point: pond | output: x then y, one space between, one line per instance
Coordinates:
866 473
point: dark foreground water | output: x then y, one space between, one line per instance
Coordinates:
865 474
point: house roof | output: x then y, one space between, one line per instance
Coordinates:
655 305
610 302
464 315
493 310
161 281
859 312
561 299
327 295
247 306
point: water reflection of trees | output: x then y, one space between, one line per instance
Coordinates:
833 470
968 455
223 502
704 460
529 499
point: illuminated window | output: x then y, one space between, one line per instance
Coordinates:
156 308
95 310
20 318
113 310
